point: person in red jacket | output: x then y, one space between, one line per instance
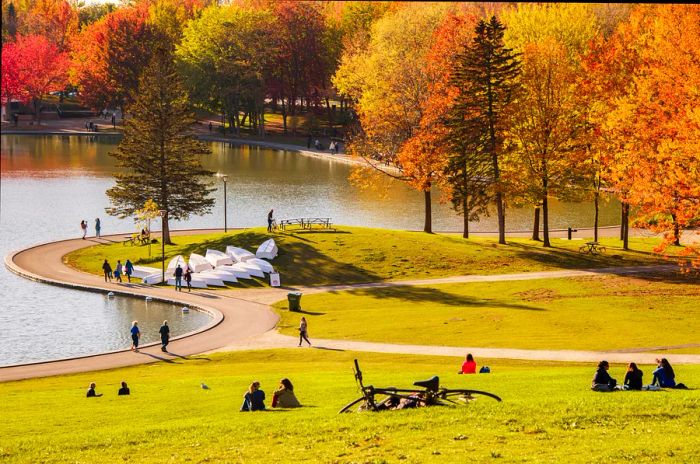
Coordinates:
469 366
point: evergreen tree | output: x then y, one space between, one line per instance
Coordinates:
159 150
486 76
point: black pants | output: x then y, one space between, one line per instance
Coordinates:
164 341
303 336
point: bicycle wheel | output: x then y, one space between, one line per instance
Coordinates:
461 397
349 407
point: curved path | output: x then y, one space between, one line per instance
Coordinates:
243 319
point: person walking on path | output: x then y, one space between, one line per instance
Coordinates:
164 336
118 271
210 126
269 220
303 331
98 227
135 335
83 226
128 269
178 278
188 278
308 141
107 270
114 121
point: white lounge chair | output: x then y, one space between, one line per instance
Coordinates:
142 271
218 258
267 250
262 264
223 275
239 255
199 263
251 269
236 271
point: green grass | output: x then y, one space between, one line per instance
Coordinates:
548 414
354 254
585 313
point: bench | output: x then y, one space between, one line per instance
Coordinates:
307 223
593 248
134 239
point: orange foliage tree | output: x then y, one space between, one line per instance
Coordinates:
656 125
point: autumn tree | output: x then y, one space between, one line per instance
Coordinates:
159 153
657 123
389 82
31 68
545 159
486 77
225 56
108 56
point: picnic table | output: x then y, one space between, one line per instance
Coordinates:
593 248
137 238
307 223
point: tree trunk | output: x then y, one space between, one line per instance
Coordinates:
330 113
166 230
223 122
676 231
284 116
622 220
536 225
596 198
465 215
625 222
545 221
428 227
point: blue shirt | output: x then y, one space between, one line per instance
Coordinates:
664 380
134 330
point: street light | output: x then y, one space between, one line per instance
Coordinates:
162 213
224 178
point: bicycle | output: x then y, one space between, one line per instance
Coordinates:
401 398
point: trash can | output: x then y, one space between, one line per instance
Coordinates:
294 299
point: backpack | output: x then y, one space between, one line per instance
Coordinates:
485 370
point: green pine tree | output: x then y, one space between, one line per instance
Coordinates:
159 152
486 74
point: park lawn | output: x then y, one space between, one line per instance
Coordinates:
583 313
548 414
355 254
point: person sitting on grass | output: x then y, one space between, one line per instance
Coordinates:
602 381
468 366
664 376
633 377
124 390
254 399
284 396
91 391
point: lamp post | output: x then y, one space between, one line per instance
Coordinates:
162 213
224 178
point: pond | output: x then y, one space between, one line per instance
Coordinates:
50 183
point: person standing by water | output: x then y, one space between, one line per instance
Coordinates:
303 331
269 220
128 269
118 271
178 278
107 270
188 278
135 335
164 336
98 227
83 226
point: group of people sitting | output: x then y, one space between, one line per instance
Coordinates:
663 377
91 393
283 397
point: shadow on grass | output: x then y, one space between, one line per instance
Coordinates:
298 260
434 295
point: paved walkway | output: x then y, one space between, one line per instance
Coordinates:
242 318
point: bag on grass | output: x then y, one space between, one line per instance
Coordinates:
485 370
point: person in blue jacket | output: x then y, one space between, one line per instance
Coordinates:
254 399
664 375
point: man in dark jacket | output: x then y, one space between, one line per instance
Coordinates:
164 336
178 278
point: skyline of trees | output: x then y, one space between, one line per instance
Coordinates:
607 100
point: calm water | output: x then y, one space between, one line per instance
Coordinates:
50 183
